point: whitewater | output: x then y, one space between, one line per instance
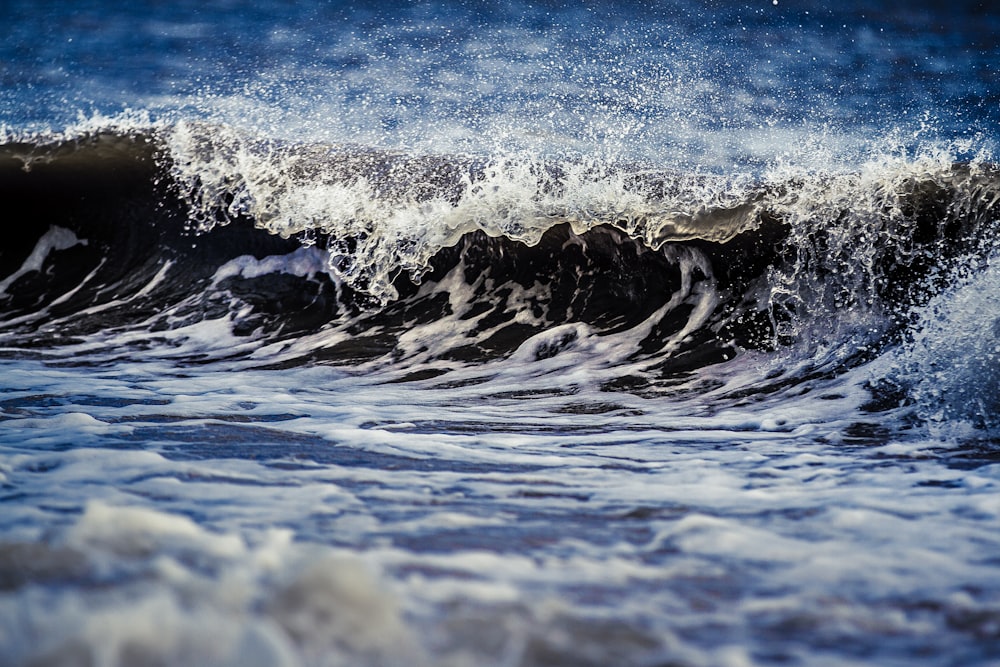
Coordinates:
472 334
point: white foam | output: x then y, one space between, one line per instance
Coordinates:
502 504
950 364
303 262
128 530
56 238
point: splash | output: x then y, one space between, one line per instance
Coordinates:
949 367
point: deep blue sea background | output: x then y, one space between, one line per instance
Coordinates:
663 80
466 333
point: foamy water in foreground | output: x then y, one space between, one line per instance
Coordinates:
316 516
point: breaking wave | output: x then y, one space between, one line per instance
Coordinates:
289 253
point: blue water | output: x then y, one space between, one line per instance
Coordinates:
474 334
665 82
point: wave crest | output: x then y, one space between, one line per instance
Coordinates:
526 241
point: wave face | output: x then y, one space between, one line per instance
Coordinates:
457 334
151 232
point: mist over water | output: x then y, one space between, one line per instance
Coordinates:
463 334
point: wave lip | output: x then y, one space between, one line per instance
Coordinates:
382 212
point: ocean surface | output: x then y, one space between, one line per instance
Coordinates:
462 333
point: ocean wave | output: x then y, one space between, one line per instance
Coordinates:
159 228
